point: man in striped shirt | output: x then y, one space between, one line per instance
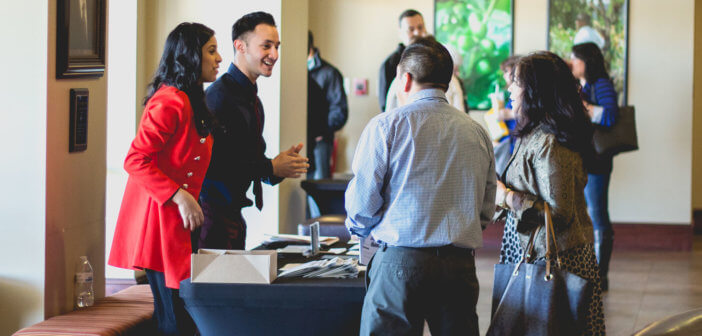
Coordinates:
424 188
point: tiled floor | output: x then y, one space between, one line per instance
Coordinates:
644 287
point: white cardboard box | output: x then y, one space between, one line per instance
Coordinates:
234 266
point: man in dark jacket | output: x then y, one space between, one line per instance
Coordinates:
327 110
238 156
411 26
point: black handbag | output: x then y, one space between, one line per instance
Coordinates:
620 137
537 299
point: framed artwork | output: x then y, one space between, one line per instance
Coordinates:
80 38
603 22
481 31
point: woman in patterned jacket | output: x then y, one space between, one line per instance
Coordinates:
554 141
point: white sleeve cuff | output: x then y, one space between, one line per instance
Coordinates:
597 112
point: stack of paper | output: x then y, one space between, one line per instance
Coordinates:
330 268
298 239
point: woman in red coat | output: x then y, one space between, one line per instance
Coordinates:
166 163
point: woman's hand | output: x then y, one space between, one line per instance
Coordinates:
502 196
189 209
588 108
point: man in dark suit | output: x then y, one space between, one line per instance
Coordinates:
238 156
327 110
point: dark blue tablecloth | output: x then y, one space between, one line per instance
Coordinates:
289 306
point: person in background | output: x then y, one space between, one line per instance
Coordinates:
424 188
585 33
411 25
331 112
554 143
166 163
505 146
454 94
505 113
600 98
238 156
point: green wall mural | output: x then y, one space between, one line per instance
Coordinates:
481 31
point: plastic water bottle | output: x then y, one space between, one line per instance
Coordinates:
85 296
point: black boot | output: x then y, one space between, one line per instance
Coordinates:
604 241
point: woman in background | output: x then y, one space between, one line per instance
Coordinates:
553 142
601 101
166 163
503 108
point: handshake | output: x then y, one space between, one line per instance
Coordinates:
290 163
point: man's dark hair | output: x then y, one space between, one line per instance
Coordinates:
551 99
428 62
408 13
310 41
248 23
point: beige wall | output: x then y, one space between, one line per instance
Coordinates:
23 135
283 94
530 25
356 36
121 114
697 115
54 207
75 186
651 185
293 104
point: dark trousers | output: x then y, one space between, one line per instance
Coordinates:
169 309
406 286
223 228
322 156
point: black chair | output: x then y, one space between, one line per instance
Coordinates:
327 195
329 225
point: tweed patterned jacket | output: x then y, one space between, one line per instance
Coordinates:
541 169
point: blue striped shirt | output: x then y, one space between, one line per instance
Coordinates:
424 175
602 94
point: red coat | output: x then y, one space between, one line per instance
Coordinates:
166 154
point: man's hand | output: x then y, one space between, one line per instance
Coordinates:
189 209
290 163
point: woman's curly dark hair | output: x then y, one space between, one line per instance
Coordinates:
181 67
551 98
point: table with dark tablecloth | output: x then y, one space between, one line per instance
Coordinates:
288 306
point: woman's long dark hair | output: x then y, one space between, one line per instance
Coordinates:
551 98
181 67
591 54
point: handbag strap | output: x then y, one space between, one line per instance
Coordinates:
527 252
550 237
